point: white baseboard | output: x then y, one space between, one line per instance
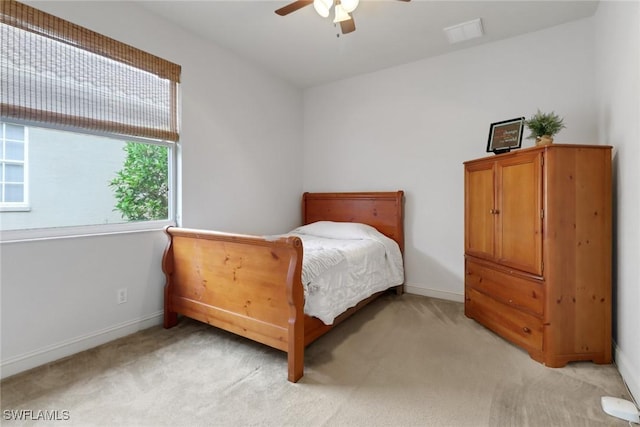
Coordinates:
450 296
66 348
630 373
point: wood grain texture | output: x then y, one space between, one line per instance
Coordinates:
513 289
553 234
479 214
251 285
382 210
578 255
518 212
292 7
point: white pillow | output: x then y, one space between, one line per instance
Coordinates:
338 230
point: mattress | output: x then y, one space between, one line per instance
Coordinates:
343 264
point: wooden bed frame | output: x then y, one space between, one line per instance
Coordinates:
251 285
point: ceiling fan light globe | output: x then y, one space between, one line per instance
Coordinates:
349 5
322 7
341 14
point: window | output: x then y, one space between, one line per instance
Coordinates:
13 164
98 120
87 180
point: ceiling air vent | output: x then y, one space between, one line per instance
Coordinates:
465 31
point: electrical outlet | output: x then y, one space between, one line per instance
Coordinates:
121 295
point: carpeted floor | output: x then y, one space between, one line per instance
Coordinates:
402 361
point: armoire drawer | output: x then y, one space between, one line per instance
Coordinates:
511 290
516 326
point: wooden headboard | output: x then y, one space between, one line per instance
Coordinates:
382 210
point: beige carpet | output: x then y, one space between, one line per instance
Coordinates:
402 361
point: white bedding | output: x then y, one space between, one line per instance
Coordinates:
344 263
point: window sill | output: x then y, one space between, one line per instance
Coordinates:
16 236
16 208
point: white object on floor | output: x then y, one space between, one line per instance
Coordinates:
620 408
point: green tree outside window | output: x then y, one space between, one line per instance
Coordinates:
141 187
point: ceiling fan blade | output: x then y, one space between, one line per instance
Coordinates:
348 26
292 7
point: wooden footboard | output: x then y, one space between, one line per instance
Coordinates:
247 285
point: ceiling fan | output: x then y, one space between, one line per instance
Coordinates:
342 10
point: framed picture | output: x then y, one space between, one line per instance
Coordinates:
505 135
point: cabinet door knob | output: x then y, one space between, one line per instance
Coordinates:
526 330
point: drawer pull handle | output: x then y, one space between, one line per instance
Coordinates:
526 330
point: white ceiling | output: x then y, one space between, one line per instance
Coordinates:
305 49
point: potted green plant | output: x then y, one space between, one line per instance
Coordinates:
543 126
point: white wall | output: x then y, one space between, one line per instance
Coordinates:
618 94
411 127
59 296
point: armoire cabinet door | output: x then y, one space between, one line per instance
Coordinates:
479 210
519 214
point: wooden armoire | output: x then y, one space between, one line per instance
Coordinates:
538 250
